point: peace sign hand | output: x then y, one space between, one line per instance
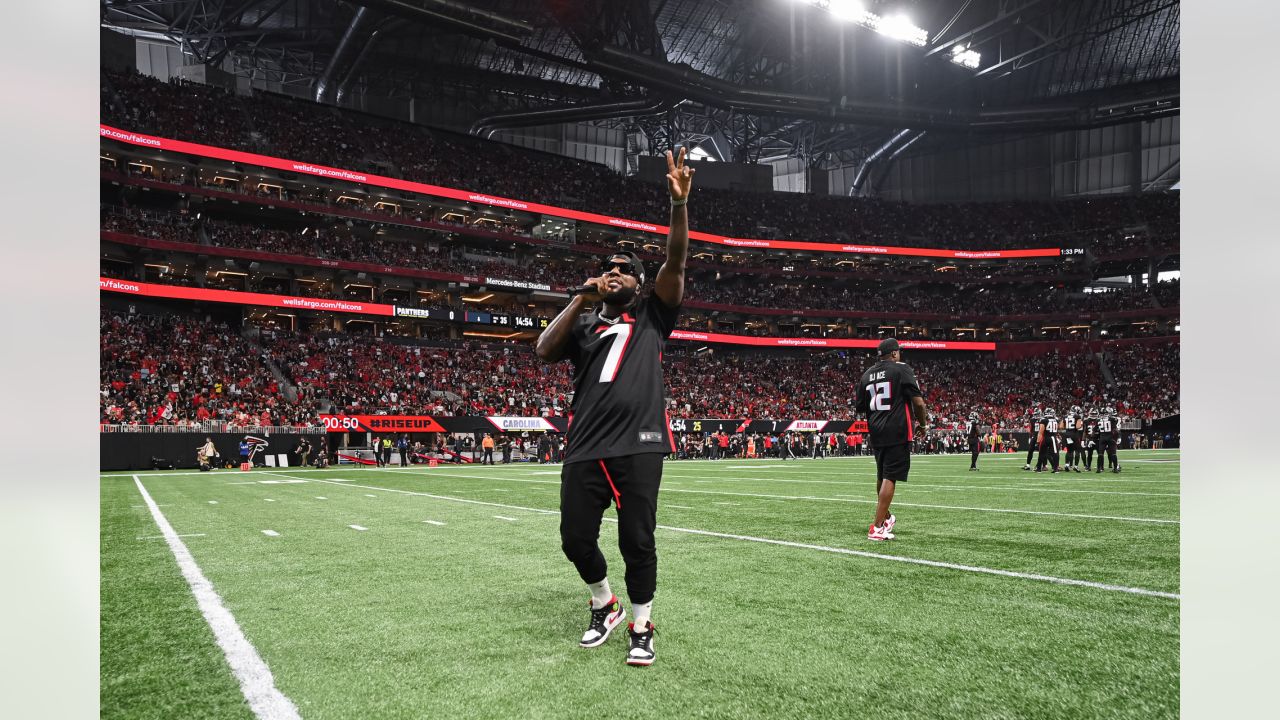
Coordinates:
679 176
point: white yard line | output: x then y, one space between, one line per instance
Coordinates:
157 537
929 563
913 484
256 682
1036 478
504 517
271 533
433 522
848 498
823 548
358 527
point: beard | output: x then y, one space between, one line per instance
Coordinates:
622 296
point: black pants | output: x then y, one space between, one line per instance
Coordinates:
487 457
973 453
1048 452
586 489
1108 446
1031 448
404 457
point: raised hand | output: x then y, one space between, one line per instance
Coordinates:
679 176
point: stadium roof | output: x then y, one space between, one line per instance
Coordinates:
763 78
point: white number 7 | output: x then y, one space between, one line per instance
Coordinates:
621 334
879 393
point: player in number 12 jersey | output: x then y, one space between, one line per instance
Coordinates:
888 395
618 430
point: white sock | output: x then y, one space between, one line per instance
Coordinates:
640 615
600 593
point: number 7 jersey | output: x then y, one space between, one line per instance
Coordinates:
884 396
619 405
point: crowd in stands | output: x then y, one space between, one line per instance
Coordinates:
1168 292
172 370
947 299
324 135
740 290
365 375
175 370
1146 378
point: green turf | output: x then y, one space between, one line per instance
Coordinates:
480 617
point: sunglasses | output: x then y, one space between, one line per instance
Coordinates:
626 268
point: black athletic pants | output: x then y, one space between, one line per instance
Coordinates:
586 489
1031 448
1048 452
973 452
487 457
1107 446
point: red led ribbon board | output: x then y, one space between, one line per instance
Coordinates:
826 342
237 156
129 287
381 423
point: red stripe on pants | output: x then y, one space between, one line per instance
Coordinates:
617 497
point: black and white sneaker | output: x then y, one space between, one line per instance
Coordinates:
641 651
603 621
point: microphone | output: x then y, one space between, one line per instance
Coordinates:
582 290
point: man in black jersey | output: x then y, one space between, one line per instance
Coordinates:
974 442
618 429
1069 442
888 394
1090 438
1048 441
1075 438
1033 440
1108 438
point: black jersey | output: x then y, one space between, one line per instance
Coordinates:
1050 426
1109 427
884 396
618 401
973 431
1091 428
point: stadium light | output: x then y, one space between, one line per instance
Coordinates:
848 10
964 57
898 27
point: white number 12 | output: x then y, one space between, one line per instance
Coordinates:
879 393
621 334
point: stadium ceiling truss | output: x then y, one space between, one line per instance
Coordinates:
745 80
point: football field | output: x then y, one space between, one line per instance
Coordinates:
442 592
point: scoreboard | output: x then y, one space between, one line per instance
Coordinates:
475 317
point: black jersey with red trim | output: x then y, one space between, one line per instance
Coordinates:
1109 427
884 396
619 406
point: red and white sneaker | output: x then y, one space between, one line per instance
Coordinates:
603 621
641 650
879 533
889 523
